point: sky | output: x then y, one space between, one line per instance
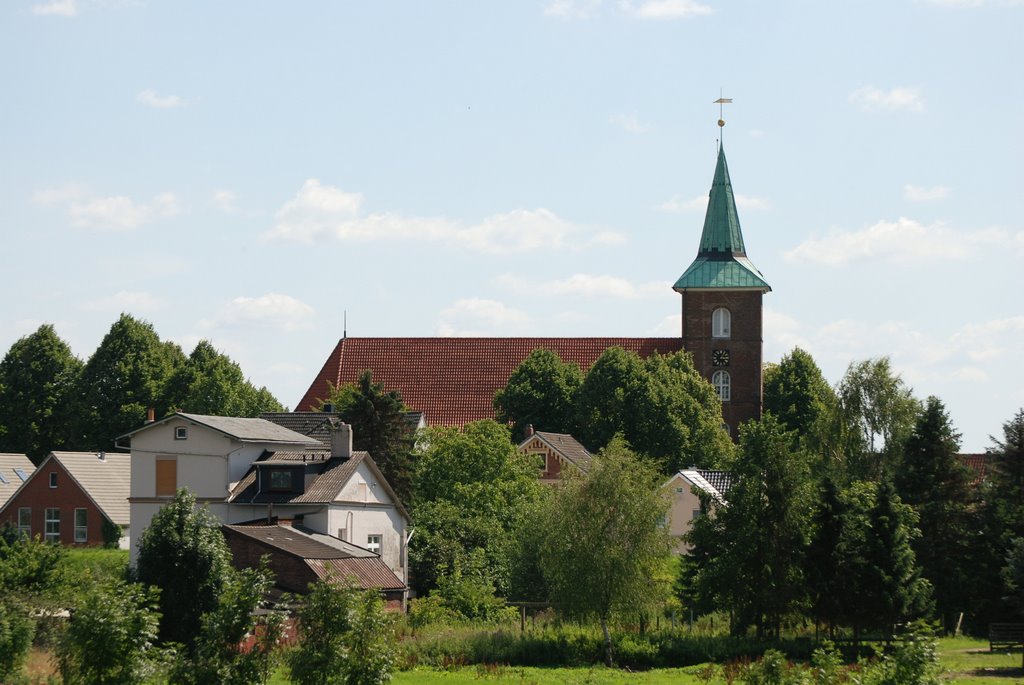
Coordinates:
256 173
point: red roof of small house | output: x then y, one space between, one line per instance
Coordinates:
453 380
977 464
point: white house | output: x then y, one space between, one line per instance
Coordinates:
685 502
246 470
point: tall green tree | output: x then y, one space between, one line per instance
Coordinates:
209 382
472 490
540 392
877 401
183 552
934 481
37 377
1006 461
126 374
826 564
756 564
611 397
603 542
796 392
378 426
890 589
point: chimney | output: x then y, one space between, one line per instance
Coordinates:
341 439
102 456
150 414
529 430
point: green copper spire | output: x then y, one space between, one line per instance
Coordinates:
722 258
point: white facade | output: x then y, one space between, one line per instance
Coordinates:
210 464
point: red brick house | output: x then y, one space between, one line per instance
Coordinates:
75 498
557 452
453 380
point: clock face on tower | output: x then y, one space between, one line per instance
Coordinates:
720 357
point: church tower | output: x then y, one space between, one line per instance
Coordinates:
721 307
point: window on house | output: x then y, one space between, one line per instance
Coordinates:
721 323
3 479
181 432
280 479
25 521
81 525
166 477
21 474
52 525
373 543
723 385
53 479
696 514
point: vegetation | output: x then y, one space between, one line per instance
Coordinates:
183 553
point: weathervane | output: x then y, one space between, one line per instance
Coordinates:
721 101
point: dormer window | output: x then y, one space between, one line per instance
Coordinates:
721 323
181 432
281 479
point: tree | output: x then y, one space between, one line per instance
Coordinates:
36 379
609 400
755 566
603 542
933 480
1007 467
378 426
541 393
110 637
216 656
796 392
209 382
890 589
183 552
126 374
344 638
827 566
471 491
880 404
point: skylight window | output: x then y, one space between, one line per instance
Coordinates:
3 479
21 474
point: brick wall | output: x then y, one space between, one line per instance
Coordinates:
67 496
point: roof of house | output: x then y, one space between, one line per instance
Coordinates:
453 380
104 476
15 469
566 446
241 429
977 464
713 482
329 476
325 560
721 261
316 424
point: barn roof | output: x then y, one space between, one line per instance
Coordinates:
453 380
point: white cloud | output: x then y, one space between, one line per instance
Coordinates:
665 9
700 204
224 200
321 213
273 310
150 98
871 99
59 195
901 240
629 123
572 9
585 285
56 8
479 317
914 193
125 301
669 327
122 213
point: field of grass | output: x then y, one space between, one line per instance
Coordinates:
968 661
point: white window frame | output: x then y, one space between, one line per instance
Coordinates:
374 542
723 385
181 432
82 531
721 323
52 533
25 528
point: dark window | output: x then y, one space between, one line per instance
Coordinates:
53 479
281 479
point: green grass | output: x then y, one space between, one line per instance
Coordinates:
545 676
97 563
968 661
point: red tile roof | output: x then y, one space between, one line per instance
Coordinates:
453 380
977 464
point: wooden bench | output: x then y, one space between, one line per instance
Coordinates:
1005 635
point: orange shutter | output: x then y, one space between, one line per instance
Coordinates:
166 477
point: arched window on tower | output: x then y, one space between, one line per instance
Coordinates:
721 323
723 385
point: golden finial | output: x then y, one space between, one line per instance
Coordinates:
721 101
